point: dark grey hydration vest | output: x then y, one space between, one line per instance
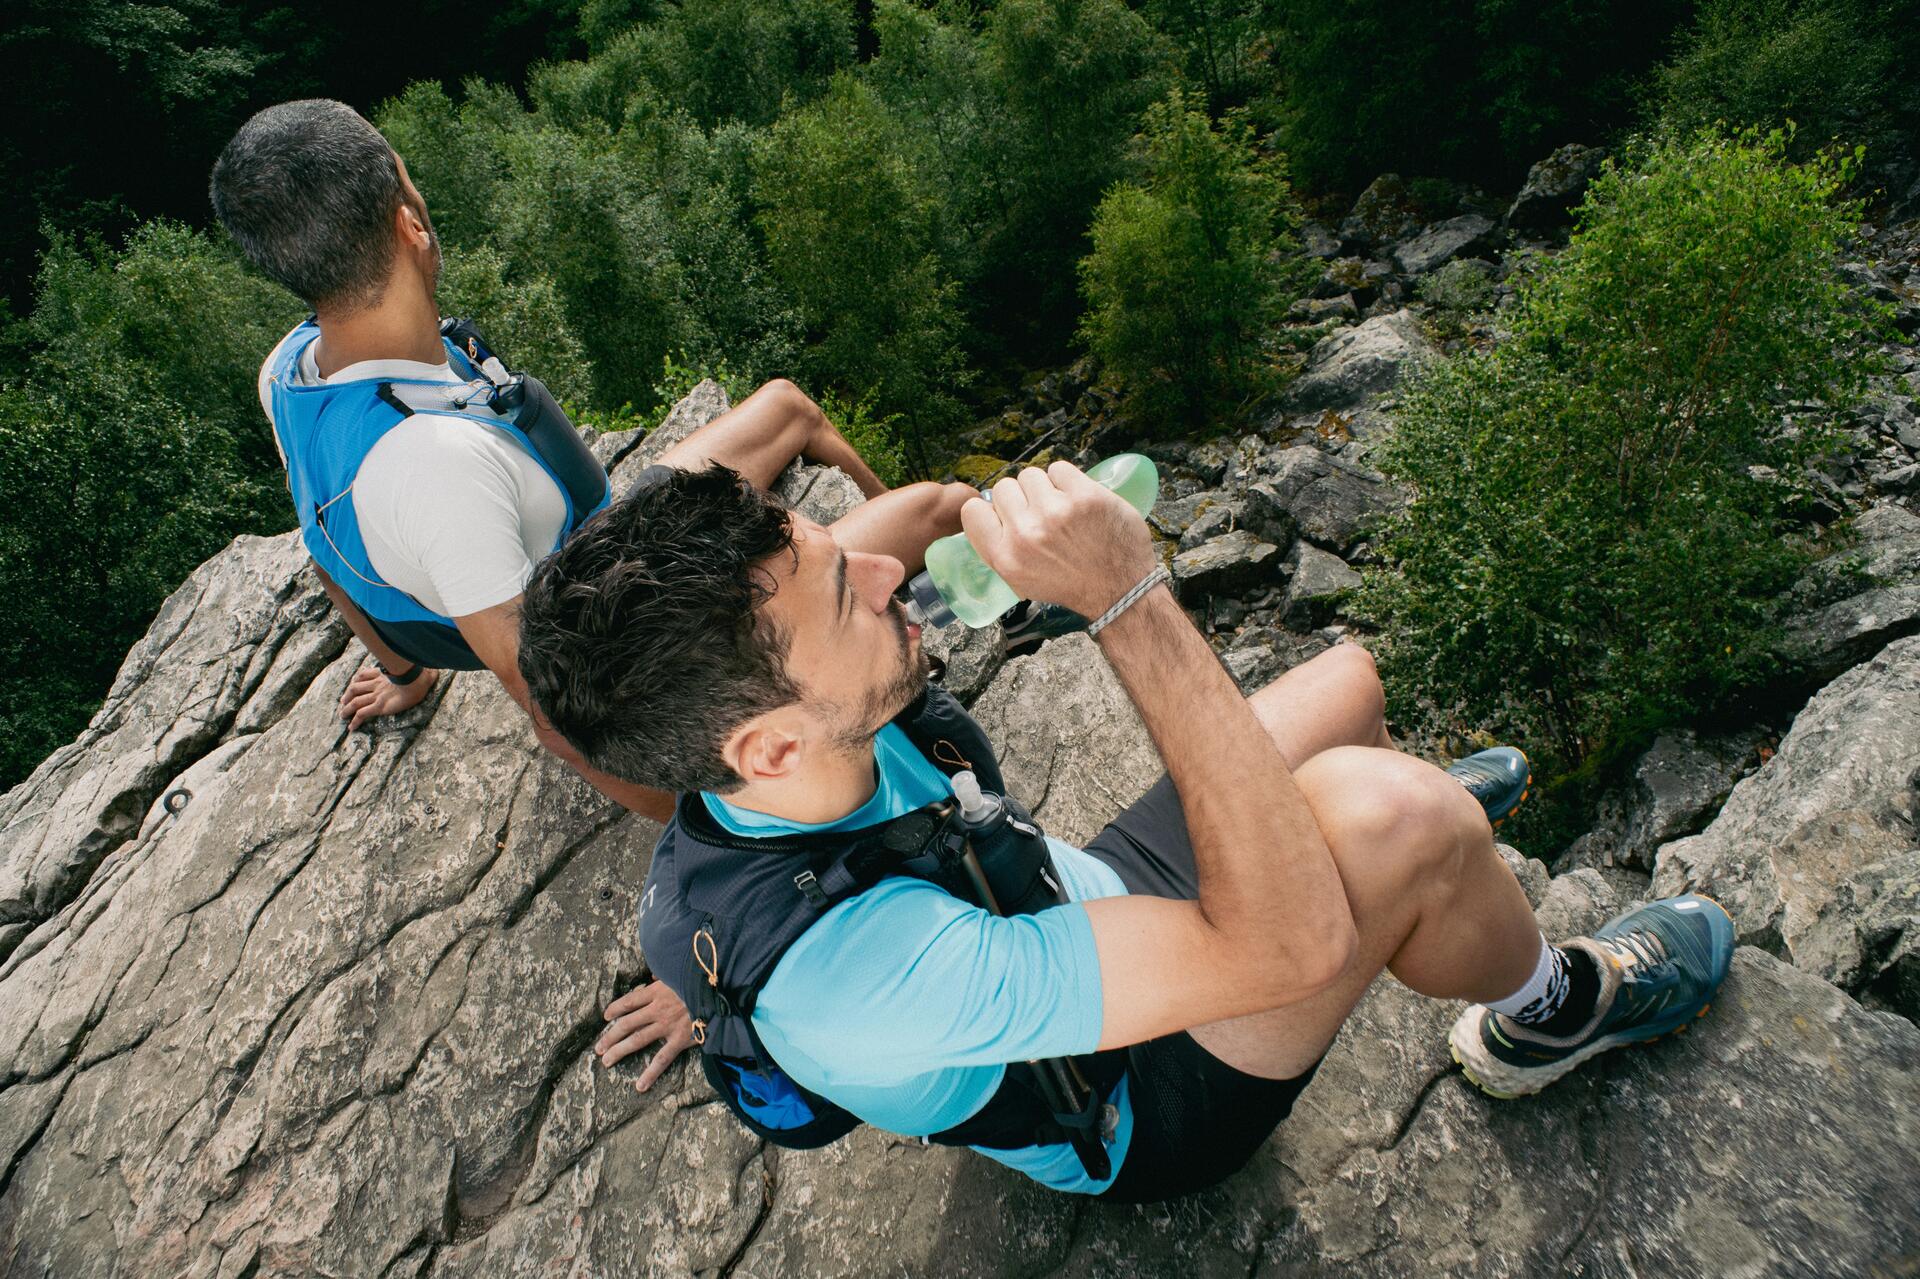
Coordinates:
719 910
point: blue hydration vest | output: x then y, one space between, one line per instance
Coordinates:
719 910
326 431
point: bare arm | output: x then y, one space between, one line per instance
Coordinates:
1271 926
494 635
357 622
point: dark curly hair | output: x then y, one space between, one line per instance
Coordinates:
641 639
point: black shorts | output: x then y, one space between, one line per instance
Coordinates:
1196 1120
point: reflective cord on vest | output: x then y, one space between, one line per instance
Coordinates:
320 523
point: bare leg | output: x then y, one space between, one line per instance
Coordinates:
1333 700
765 432
901 523
1431 899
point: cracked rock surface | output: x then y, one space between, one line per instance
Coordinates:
331 1017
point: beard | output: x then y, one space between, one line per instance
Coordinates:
889 697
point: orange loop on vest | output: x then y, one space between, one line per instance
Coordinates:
709 961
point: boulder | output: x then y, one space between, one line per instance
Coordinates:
1348 367
1316 580
1330 500
1227 565
1553 187
1674 790
967 659
1442 242
1822 838
1343 307
1318 242
331 1015
1071 745
1854 603
1385 212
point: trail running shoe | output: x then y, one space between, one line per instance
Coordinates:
1028 625
1500 779
1660 965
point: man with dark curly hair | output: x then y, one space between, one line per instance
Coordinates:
1191 964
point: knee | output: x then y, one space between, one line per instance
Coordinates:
1358 670
787 398
1390 815
938 504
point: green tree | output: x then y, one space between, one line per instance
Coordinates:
1832 67
1598 529
133 448
717 60
1190 269
848 225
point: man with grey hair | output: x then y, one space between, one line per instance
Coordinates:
428 480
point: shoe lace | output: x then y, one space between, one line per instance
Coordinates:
1642 949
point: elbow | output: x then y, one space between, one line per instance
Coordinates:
1311 962
1333 957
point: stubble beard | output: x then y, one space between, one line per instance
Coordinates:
889 699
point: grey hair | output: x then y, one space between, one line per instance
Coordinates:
308 189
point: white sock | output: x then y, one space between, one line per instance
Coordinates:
1544 992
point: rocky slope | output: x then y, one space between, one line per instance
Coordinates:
278 1000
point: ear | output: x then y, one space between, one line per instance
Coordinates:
768 748
412 231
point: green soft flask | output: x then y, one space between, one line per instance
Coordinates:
958 585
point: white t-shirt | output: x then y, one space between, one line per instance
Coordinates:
454 512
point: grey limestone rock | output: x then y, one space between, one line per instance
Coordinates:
1676 788
1383 213
1856 602
1330 500
1347 367
1442 242
332 1018
1227 565
1314 585
1553 187
1823 837
1072 748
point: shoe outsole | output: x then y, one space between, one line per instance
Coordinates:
1506 1083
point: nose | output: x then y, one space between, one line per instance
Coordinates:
875 578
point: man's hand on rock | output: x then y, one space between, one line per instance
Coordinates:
1056 535
370 694
645 1015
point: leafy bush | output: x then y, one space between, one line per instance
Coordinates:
848 226
133 448
874 436
1592 551
1190 269
525 320
1830 66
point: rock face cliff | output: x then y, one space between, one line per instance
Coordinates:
277 1000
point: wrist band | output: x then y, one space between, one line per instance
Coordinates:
401 680
1128 600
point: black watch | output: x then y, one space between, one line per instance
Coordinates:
401 680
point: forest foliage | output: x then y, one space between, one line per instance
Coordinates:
903 205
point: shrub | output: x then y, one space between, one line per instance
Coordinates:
1830 66
524 319
1591 553
1190 268
848 226
133 448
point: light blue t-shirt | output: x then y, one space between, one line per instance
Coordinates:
904 1003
